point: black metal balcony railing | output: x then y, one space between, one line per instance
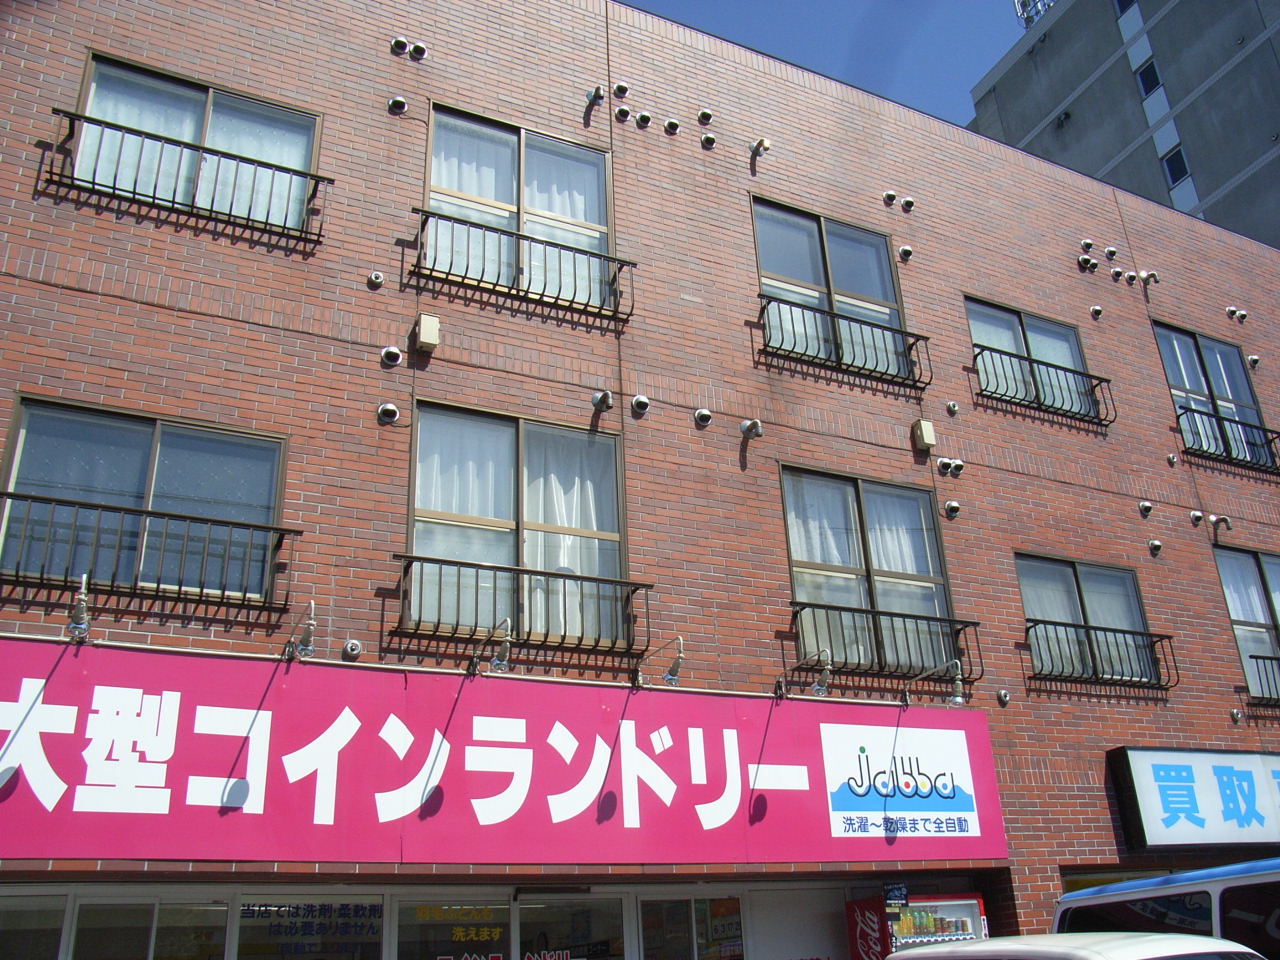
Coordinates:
111 159
1044 386
123 549
475 254
889 644
455 598
1264 679
844 343
1221 438
1073 651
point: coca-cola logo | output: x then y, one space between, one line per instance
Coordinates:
867 942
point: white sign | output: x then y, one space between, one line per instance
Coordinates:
1200 796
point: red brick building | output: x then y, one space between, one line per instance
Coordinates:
395 395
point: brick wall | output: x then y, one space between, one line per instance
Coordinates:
103 306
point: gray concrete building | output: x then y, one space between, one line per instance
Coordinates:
1177 101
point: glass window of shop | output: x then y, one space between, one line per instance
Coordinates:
348 927
570 929
691 929
140 930
31 927
452 931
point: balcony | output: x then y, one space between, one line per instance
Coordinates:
868 641
841 342
456 599
54 541
100 157
1226 440
1104 655
1018 379
1264 678
477 255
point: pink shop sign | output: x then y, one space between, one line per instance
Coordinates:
139 754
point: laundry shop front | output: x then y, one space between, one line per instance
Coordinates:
182 805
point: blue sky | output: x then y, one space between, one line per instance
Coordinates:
926 54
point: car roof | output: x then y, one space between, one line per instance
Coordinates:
1077 946
1203 875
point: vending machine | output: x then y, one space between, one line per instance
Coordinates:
875 930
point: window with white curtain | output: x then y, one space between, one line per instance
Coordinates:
518 210
516 494
129 500
831 291
177 143
1030 360
1218 413
1093 626
867 556
1251 584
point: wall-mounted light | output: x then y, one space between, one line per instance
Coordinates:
821 685
303 646
1236 715
78 620
952 667
751 429
602 400
1172 459
1003 697
672 675
501 660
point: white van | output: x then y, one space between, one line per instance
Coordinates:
1239 901
1085 946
